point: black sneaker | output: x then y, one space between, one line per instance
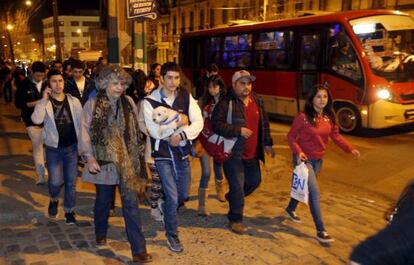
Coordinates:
70 218
324 237
53 209
174 244
292 215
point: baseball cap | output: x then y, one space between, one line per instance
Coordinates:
242 74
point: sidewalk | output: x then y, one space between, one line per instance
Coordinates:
28 237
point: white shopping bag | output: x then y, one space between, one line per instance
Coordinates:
300 189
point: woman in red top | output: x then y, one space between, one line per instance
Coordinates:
308 138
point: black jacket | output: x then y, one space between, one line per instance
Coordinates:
221 127
394 245
72 88
27 92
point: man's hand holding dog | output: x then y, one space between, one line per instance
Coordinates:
182 121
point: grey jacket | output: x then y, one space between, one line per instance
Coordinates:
43 113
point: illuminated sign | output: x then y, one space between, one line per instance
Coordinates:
141 9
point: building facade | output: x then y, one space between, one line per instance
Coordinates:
74 33
191 15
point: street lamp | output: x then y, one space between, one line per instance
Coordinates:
28 3
79 31
9 28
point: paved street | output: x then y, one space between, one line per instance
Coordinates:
351 210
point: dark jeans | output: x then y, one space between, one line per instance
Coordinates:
244 177
314 166
175 186
62 164
206 171
104 197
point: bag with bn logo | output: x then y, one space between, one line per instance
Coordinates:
300 189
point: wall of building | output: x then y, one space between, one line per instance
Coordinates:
74 33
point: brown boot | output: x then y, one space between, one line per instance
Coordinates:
220 191
142 257
237 227
202 196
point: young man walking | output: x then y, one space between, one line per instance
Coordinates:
251 127
60 114
78 85
171 150
28 93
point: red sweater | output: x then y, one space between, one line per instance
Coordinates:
312 140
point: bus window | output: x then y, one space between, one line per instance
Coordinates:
387 41
273 49
237 51
342 58
310 46
213 53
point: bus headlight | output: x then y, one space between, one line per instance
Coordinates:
384 94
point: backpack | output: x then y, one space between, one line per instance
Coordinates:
217 146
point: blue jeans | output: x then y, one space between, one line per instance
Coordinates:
244 177
314 167
206 171
62 164
176 189
104 197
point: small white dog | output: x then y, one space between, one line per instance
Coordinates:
167 119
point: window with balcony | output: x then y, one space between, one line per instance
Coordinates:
212 17
346 5
191 27
182 23
378 4
74 23
245 13
280 6
225 15
201 23
174 25
237 11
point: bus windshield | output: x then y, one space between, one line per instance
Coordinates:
388 42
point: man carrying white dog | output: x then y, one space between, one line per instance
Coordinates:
171 157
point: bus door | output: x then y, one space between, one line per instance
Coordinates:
308 73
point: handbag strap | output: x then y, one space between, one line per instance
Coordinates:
229 113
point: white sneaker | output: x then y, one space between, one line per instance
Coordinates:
157 215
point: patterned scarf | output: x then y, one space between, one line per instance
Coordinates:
118 140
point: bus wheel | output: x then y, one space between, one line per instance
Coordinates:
348 118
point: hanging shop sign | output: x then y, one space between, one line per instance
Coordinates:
141 9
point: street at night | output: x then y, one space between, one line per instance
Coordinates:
355 196
206 132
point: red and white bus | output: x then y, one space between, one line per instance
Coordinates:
365 57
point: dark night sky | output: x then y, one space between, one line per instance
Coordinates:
66 7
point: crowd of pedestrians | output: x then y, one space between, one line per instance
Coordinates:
106 119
